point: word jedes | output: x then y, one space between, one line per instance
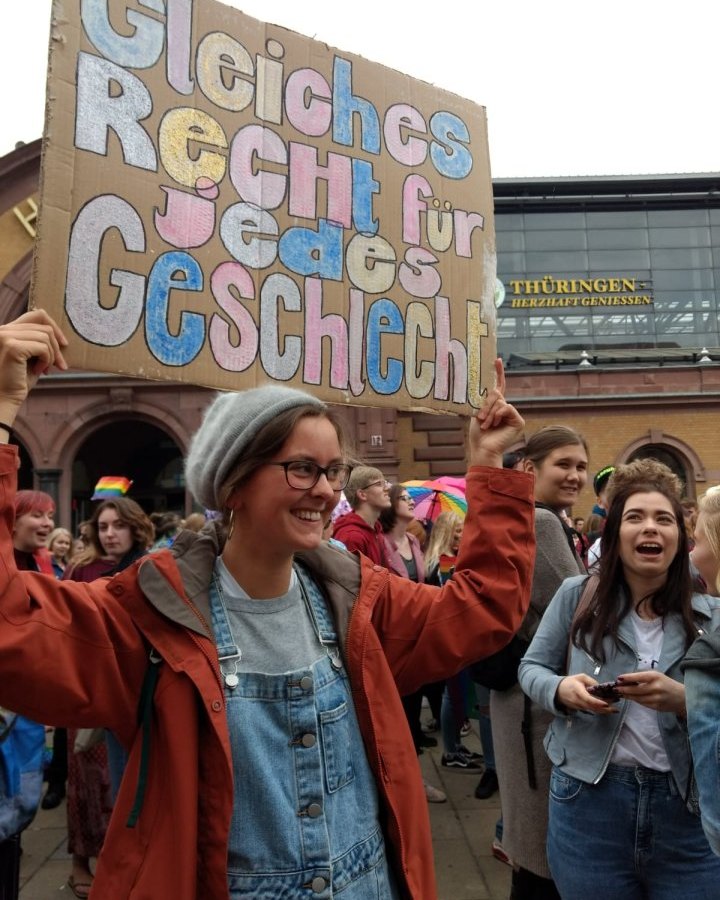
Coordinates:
355 341
291 228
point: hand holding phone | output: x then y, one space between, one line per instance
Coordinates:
608 690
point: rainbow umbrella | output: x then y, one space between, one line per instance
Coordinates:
437 496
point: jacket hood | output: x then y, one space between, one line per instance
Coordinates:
353 520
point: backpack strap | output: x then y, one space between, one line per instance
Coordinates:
145 710
588 592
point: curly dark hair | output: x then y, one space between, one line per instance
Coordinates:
388 517
130 513
613 599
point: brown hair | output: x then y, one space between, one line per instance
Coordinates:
388 517
613 600
417 529
541 444
268 441
130 513
165 524
593 523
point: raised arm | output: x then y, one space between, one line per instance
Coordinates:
495 427
93 648
434 632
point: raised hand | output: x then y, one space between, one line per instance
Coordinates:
495 427
29 346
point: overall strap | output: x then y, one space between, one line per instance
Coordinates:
318 611
227 648
317 606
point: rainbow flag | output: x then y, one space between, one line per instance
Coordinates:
111 486
446 567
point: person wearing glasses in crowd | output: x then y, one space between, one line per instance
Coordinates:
368 493
253 672
405 558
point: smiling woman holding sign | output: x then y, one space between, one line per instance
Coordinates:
253 672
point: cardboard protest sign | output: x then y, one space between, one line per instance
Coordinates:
225 202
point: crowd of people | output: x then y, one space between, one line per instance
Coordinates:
238 708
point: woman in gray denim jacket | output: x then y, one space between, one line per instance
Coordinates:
622 821
702 674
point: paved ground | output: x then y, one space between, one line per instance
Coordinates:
463 829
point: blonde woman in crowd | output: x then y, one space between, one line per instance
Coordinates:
59 546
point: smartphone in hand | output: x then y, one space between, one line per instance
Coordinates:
607 690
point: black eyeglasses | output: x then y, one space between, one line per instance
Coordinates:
303 474
384 483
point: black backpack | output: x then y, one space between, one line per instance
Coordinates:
499 672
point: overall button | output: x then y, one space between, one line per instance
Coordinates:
318 884
306 682
308 740
314 810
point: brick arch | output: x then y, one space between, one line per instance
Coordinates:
27 437
78 429
692 462
70 438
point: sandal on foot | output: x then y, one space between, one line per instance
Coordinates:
81 889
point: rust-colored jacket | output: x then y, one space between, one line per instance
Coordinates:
76 654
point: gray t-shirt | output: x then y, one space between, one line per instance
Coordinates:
274 636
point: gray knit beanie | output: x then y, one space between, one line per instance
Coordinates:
228 426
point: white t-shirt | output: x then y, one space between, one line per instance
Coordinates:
640 742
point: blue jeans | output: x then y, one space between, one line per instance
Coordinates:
117 760
629 837
485 726
449 728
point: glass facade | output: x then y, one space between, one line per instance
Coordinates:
588 279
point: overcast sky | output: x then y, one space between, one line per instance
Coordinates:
572 87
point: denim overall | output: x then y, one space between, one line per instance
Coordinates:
305 815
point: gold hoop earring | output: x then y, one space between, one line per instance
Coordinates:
231 524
